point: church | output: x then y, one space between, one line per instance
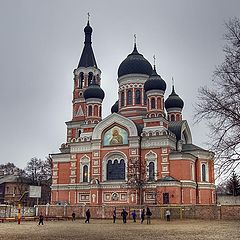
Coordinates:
141 154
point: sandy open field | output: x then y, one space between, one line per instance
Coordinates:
105 229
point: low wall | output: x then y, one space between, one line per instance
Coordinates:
226 212
209 212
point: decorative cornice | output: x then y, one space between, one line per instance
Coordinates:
181 156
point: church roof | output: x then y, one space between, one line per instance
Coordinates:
173 100
176 128
11 179
94 91
154 82
134 63
191 147
87 58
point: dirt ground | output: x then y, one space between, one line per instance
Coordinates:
105 229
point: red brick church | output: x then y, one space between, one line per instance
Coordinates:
142 153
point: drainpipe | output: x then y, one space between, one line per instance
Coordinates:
196 180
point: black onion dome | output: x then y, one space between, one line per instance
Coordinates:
94 91
114 108
173 101
88 28
154 82
134 63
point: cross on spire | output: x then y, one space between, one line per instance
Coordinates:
88 14
154 62
135 38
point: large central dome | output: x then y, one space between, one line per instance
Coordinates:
134 63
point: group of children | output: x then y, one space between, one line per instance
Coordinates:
143 213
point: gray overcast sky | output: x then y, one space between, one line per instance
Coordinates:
41 43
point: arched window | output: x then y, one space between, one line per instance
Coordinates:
151 171
116 170
138 97
172 118
81 80
90 78
79 132
204 176
145 98
122 98
85 173
89 110
129 97
100 111
95 110
153 104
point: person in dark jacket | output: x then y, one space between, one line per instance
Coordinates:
73 216
114 215
124 215
88 215
148 214
134 215
142 215
40 219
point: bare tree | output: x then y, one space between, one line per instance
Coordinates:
220 104
39 173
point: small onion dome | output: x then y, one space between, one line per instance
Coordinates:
94 91
88 28
114 108
173 101
154 82
134 63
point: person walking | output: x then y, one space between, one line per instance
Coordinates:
114 215
148 214
134 215
124 215
40 219
168 214
73 216
142 215
88 215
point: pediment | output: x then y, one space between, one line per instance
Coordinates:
111 120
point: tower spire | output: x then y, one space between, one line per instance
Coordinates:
87 58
